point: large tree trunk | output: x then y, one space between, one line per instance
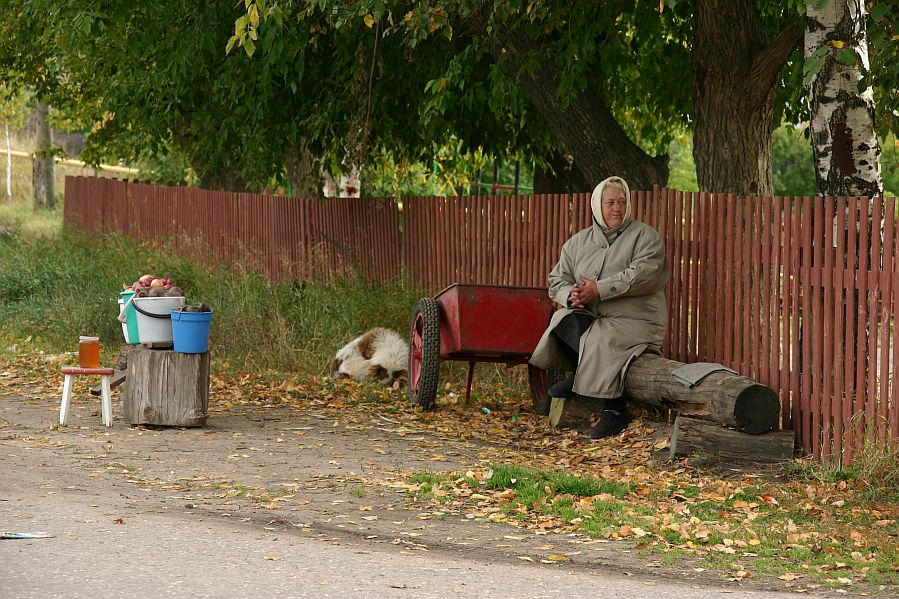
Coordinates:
847 152
735 71
302 172
223 180
583 122
43 177
560 177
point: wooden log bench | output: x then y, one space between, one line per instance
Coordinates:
725 414
166 388
730 399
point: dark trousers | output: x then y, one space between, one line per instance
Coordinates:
568 332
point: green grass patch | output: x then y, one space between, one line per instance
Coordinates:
20 219
544 483
429 477
597 505
236 490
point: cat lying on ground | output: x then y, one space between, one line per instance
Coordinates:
378 355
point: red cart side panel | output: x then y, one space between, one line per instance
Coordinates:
492 320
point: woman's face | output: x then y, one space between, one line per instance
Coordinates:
614 206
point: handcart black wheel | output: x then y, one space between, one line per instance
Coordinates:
424 354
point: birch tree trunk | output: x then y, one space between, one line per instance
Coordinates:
43 177
847 153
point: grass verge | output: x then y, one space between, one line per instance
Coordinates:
813 534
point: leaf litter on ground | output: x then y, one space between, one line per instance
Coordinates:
530 476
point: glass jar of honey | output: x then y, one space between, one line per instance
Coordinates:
89 352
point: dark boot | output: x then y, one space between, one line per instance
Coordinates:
615 418
563 388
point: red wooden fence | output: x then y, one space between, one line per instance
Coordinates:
282 237
797 293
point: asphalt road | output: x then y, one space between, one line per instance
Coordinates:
184 553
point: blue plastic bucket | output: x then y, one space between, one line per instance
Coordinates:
190 331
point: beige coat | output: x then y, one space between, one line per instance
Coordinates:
630 314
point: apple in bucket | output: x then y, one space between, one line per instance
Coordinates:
153 286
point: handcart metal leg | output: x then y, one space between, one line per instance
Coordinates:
468 383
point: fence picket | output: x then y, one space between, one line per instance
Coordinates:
694 278
870 314
887 390
891 413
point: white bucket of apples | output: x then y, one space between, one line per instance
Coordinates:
145 310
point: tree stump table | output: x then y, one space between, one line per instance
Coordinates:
166 388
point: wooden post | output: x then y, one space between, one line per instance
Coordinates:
166 388
693 436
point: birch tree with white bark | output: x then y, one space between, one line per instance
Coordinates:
837 71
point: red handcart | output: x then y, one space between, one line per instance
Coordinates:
478 323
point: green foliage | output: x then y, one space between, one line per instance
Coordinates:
792 162
890 165
451 171
384 83
813 64
682 167
322 84
14 104
883 49
167 166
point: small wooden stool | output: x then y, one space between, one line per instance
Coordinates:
106 400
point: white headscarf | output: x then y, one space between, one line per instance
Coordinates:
596 202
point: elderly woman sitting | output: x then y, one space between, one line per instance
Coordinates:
611 280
